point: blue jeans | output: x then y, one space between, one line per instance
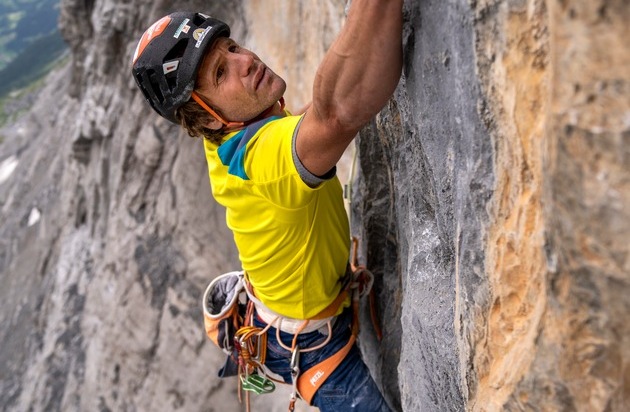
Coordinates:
349 388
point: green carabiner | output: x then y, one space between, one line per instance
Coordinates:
257 384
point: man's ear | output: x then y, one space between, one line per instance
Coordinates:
214 120
213 124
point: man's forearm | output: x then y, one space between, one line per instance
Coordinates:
354 81
362 67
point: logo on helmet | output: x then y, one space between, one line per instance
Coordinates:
152 32
170 66
184 27
199 35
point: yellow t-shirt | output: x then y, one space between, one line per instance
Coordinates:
293 238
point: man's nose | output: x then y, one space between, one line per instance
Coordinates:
243 62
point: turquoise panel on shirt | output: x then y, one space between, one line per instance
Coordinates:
232 152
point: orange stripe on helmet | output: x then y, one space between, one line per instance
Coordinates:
152 32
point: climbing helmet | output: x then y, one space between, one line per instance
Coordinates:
168 57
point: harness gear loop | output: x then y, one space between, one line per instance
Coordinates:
251 345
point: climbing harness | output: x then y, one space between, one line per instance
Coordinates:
229 304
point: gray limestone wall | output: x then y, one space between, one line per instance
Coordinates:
499 260
421 203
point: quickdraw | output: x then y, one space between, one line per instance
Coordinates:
251 346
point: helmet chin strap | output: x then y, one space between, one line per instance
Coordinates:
233 125
214 114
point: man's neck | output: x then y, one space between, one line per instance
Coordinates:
276 109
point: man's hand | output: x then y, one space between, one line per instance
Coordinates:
358 75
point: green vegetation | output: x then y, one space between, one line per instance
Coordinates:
15 103
30 45
22 22
32 63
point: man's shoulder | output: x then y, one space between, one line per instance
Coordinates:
275 125
272 125
269 132
248 152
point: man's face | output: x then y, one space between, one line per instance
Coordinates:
236 82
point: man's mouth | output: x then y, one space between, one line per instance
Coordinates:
260 75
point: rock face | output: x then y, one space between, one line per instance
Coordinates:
492 201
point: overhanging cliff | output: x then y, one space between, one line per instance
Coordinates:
492 201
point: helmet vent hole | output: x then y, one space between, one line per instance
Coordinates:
155 85
199 19
177 52
171 81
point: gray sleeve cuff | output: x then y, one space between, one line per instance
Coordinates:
307 177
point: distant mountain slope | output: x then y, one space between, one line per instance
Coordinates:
29 40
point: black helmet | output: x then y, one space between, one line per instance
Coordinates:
168 57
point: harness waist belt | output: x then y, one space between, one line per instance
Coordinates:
288 325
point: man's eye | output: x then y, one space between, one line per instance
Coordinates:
219 73
233 48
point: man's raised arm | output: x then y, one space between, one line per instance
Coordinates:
358 75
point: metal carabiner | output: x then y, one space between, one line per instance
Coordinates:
295 362
295 372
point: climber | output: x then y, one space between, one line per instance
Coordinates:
275 173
